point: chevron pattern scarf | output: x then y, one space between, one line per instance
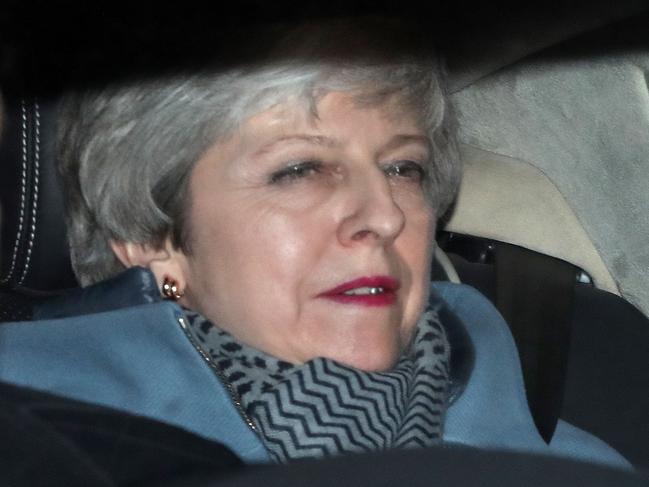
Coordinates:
323 408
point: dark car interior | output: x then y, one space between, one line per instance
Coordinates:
581 329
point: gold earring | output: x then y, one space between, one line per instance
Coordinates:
170 289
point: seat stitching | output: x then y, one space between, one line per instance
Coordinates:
37 158
23 193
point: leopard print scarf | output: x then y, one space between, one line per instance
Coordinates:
323 408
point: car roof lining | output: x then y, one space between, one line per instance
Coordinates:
583 121
506 39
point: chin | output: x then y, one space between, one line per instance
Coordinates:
369 351
371 361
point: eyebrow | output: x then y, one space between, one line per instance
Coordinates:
321 140
405 139
311 139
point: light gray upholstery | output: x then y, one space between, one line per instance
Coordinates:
584 122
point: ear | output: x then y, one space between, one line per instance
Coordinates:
165 261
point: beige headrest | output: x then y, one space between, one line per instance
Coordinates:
512 201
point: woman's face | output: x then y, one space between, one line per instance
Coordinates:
311 236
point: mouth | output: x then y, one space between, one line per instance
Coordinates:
365 291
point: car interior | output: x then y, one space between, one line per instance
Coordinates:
554 146
550 224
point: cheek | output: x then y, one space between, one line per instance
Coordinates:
415 246
282 245
253 269
416 242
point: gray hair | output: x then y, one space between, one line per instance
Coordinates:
127 152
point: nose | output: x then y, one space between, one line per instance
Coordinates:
371 212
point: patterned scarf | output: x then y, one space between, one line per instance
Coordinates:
323 408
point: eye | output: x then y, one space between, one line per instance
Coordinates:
295 171
408 170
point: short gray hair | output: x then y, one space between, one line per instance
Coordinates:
127 151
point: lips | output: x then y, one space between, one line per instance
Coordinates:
365 291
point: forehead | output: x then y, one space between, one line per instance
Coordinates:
335 113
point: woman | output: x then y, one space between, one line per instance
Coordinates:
291 204
288 203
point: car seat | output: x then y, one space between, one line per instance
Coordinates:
34 256
586 366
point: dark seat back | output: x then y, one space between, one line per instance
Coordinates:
34 252
34 255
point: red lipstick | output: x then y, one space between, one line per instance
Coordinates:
365 291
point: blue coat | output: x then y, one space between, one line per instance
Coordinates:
141 359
